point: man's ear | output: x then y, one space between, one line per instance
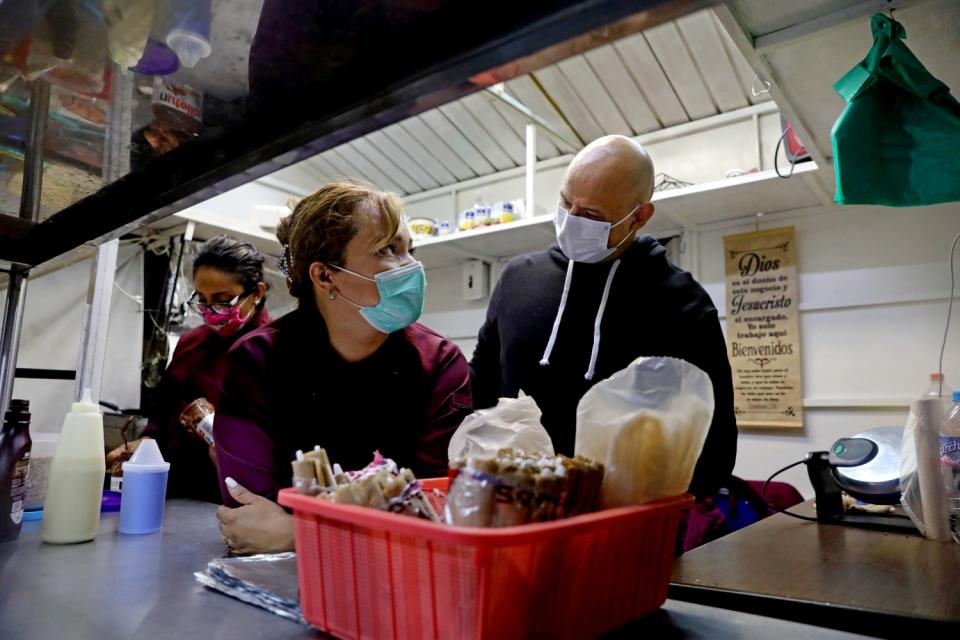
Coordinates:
642 216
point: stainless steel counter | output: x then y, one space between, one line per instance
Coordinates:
142 588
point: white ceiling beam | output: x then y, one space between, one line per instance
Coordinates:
768 42
744 42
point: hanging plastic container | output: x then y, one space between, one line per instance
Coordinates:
69 47
128 27
189 34
17 21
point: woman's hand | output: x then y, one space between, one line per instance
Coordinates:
259 525
123 452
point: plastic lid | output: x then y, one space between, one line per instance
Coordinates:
158 60
956 396
146 459
85 405
936 377
190 46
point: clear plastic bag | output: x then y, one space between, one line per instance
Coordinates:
513 424
647 424
922 493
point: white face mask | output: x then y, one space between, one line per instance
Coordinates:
585 240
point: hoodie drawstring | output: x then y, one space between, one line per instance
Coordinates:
595 351
545 360
596 325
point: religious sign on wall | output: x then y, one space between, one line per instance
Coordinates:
763 328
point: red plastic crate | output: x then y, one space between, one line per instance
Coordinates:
366 573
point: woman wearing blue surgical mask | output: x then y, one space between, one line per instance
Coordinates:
230 295
350 369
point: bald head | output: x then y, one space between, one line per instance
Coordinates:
611 181
616 162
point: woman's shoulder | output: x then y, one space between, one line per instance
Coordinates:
432 346
261 343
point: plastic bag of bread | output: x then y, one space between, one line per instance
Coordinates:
647 424
513 424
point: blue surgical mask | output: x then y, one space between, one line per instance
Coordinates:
401 297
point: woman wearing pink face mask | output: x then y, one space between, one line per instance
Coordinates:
230 296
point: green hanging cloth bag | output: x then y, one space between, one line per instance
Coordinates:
897 142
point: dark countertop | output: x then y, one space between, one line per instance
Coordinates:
877 582
122 586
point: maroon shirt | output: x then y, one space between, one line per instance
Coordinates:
286 388
195 371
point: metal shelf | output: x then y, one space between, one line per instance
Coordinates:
676 209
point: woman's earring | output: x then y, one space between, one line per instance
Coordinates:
333 296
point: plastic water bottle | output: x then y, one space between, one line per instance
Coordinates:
938 387
950 465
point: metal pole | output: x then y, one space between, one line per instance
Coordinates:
529 204
12 322
33 158
116 164
29 210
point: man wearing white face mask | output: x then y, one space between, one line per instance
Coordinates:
563 319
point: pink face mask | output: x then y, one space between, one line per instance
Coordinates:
225 323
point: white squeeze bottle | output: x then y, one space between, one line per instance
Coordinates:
71 511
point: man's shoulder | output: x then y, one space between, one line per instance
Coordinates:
676 290
536 264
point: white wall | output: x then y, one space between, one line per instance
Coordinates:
873 289
50 338
873 292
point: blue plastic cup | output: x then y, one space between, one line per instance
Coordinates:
144 490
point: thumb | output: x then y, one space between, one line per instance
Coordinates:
240 493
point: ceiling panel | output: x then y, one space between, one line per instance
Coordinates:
325 167
527 92
609 67
593 94
670 74
376 157
569 103
479 137
304 175
712 60
377 178
401 158
430 163
668 46
653 83
762 17
507 135
456 141
748 78
345 170
546 148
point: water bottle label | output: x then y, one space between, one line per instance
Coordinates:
950 450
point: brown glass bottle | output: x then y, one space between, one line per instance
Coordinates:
15 445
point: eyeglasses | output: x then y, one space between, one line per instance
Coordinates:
216 307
